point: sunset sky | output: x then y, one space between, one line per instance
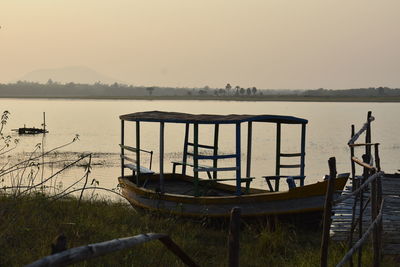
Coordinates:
276 44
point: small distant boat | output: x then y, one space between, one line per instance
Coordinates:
26 130
33 130
186 195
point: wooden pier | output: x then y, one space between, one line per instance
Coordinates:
342 218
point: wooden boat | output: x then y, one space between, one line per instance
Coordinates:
182 194
33 130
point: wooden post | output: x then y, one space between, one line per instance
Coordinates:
380 224
303 152
353 165
172 246
195 158
162 157
368 135
353 219
353 187
278 155
185 149
44 122
215 161
328 212
238 161
249 139
137 152
122 148
234 238
377 159
366 159
374 213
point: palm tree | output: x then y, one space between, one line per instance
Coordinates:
228 88
237 88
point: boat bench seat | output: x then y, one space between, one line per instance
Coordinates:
143 170
277 178
246 180
175 163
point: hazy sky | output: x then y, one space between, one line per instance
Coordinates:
263 43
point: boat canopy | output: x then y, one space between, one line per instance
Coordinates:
162 117
176 117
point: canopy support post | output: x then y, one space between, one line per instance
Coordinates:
238 161
195 158
185 149
122 147
278 155
303 153
162 157
137 152
249 139
215 161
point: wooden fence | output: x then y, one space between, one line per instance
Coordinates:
370 180
79 254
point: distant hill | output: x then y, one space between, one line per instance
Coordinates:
76 74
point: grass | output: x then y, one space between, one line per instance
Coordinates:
29 225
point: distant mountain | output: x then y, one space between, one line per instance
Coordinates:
76 74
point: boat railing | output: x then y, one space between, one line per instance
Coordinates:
136 166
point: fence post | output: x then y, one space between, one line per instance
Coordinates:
328 212
366 158
353 165
368 135
233 238
380 225
374 213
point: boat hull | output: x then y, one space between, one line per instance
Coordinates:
309 198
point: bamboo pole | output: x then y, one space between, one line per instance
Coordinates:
374 214
234 238
368 135
366 159
377 158
359 243
78 254
328 212
353 165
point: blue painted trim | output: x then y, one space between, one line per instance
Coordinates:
238 161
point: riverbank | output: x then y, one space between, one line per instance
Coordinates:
29 225
264 98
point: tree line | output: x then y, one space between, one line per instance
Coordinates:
98 89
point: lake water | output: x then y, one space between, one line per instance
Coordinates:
98 125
